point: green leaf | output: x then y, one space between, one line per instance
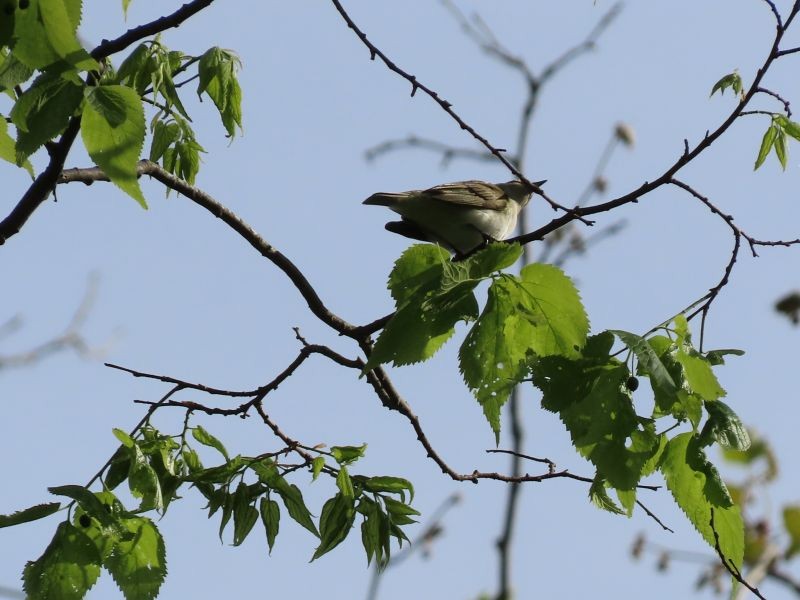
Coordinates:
270 516
291 496
87 500
415 334
33 513
791 128
717 357
418 271
649 361
731 80
138 560
394 485
60 25
371 529
118 469
8 149
113 132
205 438
347 455
13 72
699 376
791 522
725 427
698 489
780 148
345 483
42 112
335 523
316 467
217 69
67 570
245 514
400 512
766 145
551 307
492 359
600 498
144 483
124 438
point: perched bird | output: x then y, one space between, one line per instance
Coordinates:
460 216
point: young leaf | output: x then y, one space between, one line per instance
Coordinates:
39 511
394 485
699 376
345 483
217 69
113 132
731 80
144 483
60 25
291 496
316 467
245 514
418 271
68 568
335 523
697 488
87 500
766 145
347 455
205 438
270 516
138 560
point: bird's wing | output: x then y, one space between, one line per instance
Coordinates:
469 194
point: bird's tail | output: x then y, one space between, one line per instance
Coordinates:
384 199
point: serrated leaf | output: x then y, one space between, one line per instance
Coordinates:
118 468
13 72
115 144
550 303
67 570
335 523
205 438
60 24
491 359
42 112
697 488
8 149
726 427
600 498
32 513
766 145
717 357
270 517
87 500
418 271
138 561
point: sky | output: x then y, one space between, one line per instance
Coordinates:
180 294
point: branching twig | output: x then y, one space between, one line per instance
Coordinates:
416 85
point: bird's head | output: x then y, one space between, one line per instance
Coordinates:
519 191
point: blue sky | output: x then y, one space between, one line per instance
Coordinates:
183 295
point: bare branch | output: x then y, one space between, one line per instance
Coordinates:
448 152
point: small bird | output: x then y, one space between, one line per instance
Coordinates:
461 216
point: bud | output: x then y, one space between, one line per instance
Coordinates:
625 134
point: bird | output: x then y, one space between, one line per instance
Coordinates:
461 216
